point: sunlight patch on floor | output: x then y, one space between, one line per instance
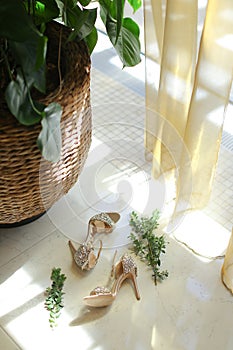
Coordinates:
203 235
17 290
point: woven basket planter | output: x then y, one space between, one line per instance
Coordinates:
29 184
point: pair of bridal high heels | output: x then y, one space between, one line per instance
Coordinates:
85 259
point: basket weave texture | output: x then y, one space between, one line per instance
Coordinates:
29 184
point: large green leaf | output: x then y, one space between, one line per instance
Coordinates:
91 40
45 11
119 14
15 24
114 10
49 140
82 21
128 44
136 4
103 13
30 112
131 26
41 51
110 7
18 101
75 19
15 94
89 24
31 55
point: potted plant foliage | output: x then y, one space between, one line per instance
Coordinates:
37 41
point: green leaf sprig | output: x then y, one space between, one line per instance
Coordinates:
146 244
54 301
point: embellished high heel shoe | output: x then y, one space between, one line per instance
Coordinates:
102 296
84 256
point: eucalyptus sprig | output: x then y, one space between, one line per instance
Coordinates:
54 300
146 244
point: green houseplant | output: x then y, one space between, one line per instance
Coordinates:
45 108
23 50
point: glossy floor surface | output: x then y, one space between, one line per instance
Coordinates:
191 310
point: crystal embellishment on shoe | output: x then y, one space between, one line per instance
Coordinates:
81 255
128 264
84 256
100 290
105 218
102 296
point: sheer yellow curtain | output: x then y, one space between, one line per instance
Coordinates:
186 105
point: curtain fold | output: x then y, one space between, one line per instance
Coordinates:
186 106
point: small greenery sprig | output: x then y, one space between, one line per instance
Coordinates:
54 301
146 244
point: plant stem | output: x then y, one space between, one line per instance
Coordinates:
59 60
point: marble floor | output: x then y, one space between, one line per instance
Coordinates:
190 310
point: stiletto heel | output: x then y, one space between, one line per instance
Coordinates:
84 256
102 296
